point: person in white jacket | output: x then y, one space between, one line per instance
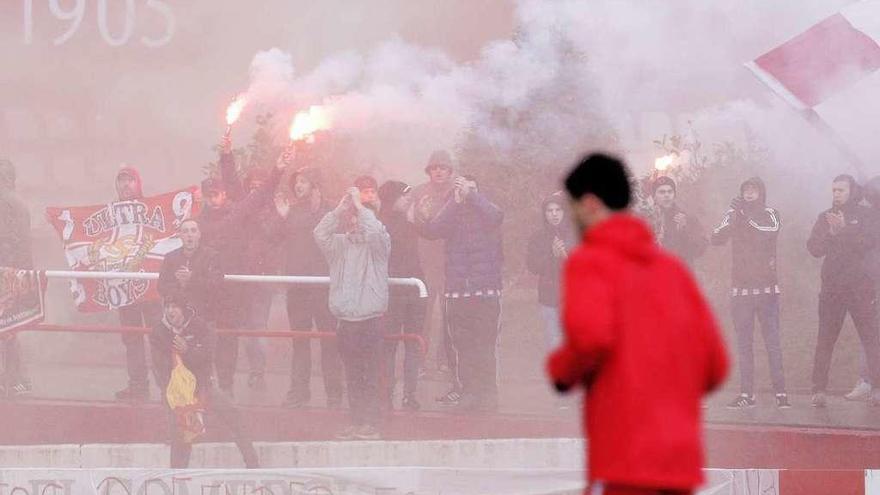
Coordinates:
357 248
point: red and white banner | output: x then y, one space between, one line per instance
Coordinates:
21 298
832 69
123 236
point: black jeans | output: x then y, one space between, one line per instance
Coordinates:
218 407
306 310
146 315
361 344
861 304
474 324
764 308
406 315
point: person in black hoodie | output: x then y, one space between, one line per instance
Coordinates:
406 310
547 250
225 228
676 230
307 305
753 228
182 333
845 236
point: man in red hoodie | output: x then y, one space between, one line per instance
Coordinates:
639 337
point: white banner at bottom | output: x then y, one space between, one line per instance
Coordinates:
339 481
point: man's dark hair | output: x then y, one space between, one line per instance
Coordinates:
855 190
602 175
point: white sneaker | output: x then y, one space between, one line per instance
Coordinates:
861 392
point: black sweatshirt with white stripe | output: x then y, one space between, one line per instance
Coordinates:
752 232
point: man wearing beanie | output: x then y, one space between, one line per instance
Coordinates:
639 337
428 198
140 314
753 229
675 230
470 225
307 304
406 310
356 246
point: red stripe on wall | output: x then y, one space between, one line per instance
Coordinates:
796 482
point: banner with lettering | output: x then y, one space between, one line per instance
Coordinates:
123 236
343 480
21 298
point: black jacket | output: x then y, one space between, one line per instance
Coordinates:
15 232
198 358
688 243
302 256
228 230
205 291
753 231
847 254
404 261
472 231
540 259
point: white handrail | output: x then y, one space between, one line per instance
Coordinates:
266 279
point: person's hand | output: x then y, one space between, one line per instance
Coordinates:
285 158
681 221
345 202
282 205
458 186
836 222
183 275
737 204
355 195
180 344
559 249
226 144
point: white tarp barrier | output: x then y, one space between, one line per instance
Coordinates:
339 481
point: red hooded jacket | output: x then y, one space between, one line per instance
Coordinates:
641 339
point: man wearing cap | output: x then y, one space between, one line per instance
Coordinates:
307 304
224 226
182 333
406 310
427 199
15 252
141 314
675 230
356 246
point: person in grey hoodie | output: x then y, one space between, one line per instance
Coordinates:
357 247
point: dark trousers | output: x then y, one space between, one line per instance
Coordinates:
406 315
218 407
226 349
147 315
861 305
597 489
764 308
306 310
361 344
474 324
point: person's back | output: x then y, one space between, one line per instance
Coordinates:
640 337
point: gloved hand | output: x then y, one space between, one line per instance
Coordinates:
737 204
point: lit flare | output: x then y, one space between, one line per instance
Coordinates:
663 163
306 123
235 108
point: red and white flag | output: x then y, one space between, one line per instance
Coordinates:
832 69
123 236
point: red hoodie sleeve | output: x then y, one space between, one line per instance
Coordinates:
587 321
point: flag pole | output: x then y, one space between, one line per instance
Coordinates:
823 128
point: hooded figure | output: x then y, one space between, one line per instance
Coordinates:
547 250
845 235
131 188
753 229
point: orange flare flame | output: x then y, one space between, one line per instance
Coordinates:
306 123
663 163
235 108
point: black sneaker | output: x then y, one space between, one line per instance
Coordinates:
742 401
410 403
452 398
782 401
20 389
133 393
293 401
